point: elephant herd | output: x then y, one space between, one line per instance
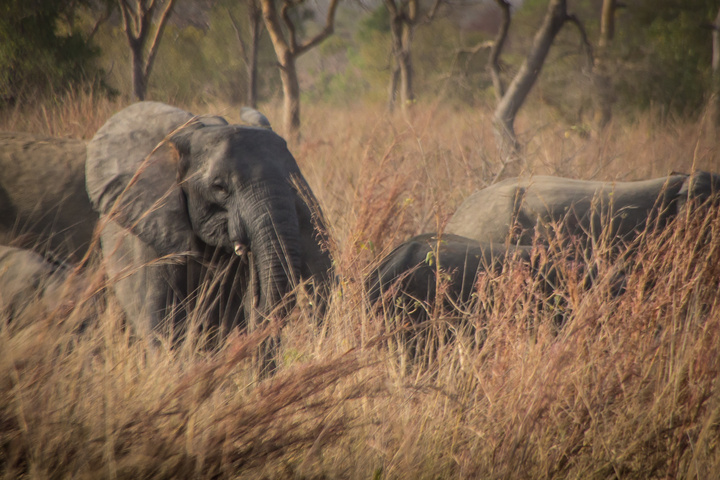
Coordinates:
196 217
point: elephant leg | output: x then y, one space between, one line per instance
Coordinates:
150 291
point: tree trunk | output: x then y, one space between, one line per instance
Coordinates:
519 88
137 19
138 79
407 95
603 90
287 49
496 50
291 97
249 53
402 25
396 42
715 94
393 89
251 64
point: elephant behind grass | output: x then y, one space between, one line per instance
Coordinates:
409 273
201 216
28 280
610 213
404 285
43 202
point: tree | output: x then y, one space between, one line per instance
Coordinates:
513 98
249 49
403 20
603 91
496 49
41 50
288 49
666 56
715 96
138 18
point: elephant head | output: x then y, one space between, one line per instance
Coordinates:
238 187
181 184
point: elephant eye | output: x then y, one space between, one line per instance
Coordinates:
220 187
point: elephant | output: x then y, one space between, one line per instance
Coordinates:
27 278
198 215
410 270
404 284
518 209
43 202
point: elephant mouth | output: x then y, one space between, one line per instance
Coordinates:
240 249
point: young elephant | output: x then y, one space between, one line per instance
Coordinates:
43 202
197 213
520 208
404 285
410 272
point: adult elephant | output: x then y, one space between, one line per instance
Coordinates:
43 202
27 279
199 215
518 209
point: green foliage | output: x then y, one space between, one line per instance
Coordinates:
668 52
35 57
659 57
196 63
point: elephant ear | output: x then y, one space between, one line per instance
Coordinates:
131 174
253 118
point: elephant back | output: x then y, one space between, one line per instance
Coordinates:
131 174
43 203
26 277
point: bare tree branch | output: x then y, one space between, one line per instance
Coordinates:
158 34
137 19
292 34
128 20
476 48
522 83
103 18
322 35
715 63
496 50
587 46
392 8
272 25
241 42
287 50
432 12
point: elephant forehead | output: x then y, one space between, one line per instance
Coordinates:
246 151
236 139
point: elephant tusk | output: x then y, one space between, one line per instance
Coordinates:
240 249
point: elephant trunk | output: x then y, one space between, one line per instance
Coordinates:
274 241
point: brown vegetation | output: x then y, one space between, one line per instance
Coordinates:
627 389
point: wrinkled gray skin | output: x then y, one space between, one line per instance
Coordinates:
411 268
43 202
26 278
204 203
519 208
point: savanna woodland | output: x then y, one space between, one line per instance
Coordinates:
395 111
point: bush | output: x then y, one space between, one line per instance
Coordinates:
35 56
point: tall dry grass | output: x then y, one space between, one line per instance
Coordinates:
627 389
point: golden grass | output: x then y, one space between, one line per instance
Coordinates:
627 389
